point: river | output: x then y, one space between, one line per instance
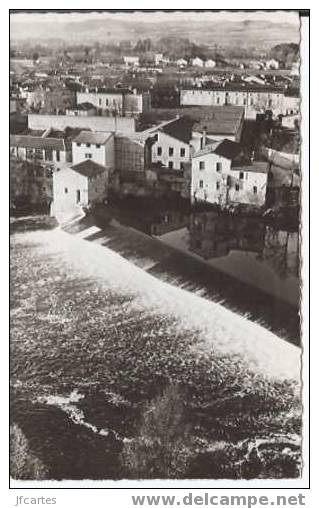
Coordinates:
94 336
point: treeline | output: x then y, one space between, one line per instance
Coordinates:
286 53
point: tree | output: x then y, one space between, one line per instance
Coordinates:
35 57
160 451
24 465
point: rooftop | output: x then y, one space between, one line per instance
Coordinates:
222 120
181 129
226 148
36 142
109 90
254 167
235 87
97 138
196 113
89 168
83 106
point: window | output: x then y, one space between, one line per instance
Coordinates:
57 155
78 144
78 196
106 102
201 184
201 164
98 146
255 189
159 150
38 153
66 190
88 145
171 151
48 155
182 165
218 167
241 175
88 156
100 102
217 185
237 187
182 152
170 164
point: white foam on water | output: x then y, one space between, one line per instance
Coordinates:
68 405
88 232
218 328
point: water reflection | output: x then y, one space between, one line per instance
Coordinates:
245 248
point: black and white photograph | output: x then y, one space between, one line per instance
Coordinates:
156 191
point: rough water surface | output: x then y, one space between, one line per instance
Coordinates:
93 337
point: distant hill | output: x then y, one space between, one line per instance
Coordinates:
245 33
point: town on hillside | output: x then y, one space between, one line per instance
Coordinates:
102 123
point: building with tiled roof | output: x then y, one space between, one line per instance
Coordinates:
172 147
254 98
218 175
41 148
116 101
88 168
95 146
79 186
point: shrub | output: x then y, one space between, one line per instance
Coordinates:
159 451
24 465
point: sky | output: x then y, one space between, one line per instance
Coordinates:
290 17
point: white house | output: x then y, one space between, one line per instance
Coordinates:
116 101
215 177
41 149
172 148
181 62
160 59
197 62
254 98
95 146
78 186
210 64
272 64
132 61
291 103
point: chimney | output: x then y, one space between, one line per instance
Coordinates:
204 136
